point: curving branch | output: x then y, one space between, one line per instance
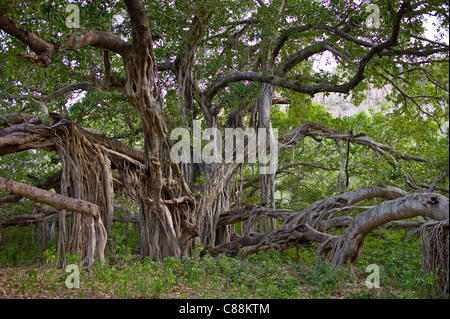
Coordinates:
308 226
348 246
43 50
66 89
99 39
284 37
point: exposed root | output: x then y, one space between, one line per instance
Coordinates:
435 252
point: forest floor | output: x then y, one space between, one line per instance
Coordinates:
44 282
30 273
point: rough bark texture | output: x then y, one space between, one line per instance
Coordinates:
160 226
170 216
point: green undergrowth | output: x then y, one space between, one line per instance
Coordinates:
267 275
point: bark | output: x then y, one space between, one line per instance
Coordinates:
39 215
43 50
306 227
99 39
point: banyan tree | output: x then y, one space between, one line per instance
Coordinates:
73 76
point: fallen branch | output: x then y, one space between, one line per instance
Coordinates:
308 226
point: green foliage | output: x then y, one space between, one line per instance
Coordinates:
269 274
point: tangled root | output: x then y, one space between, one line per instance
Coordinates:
435 252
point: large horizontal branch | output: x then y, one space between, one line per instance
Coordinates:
257 77
250 211
26 136
279 80
15 118
344 35
47 184
26 219
57 201
99 39
300 228
27 132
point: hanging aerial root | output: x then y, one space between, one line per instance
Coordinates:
435 252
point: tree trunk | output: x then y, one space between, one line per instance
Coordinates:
162 179
267 180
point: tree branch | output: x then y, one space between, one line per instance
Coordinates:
99 39
349 245
44 50
66 89
57 201
278 80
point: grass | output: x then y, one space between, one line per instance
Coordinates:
263 275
